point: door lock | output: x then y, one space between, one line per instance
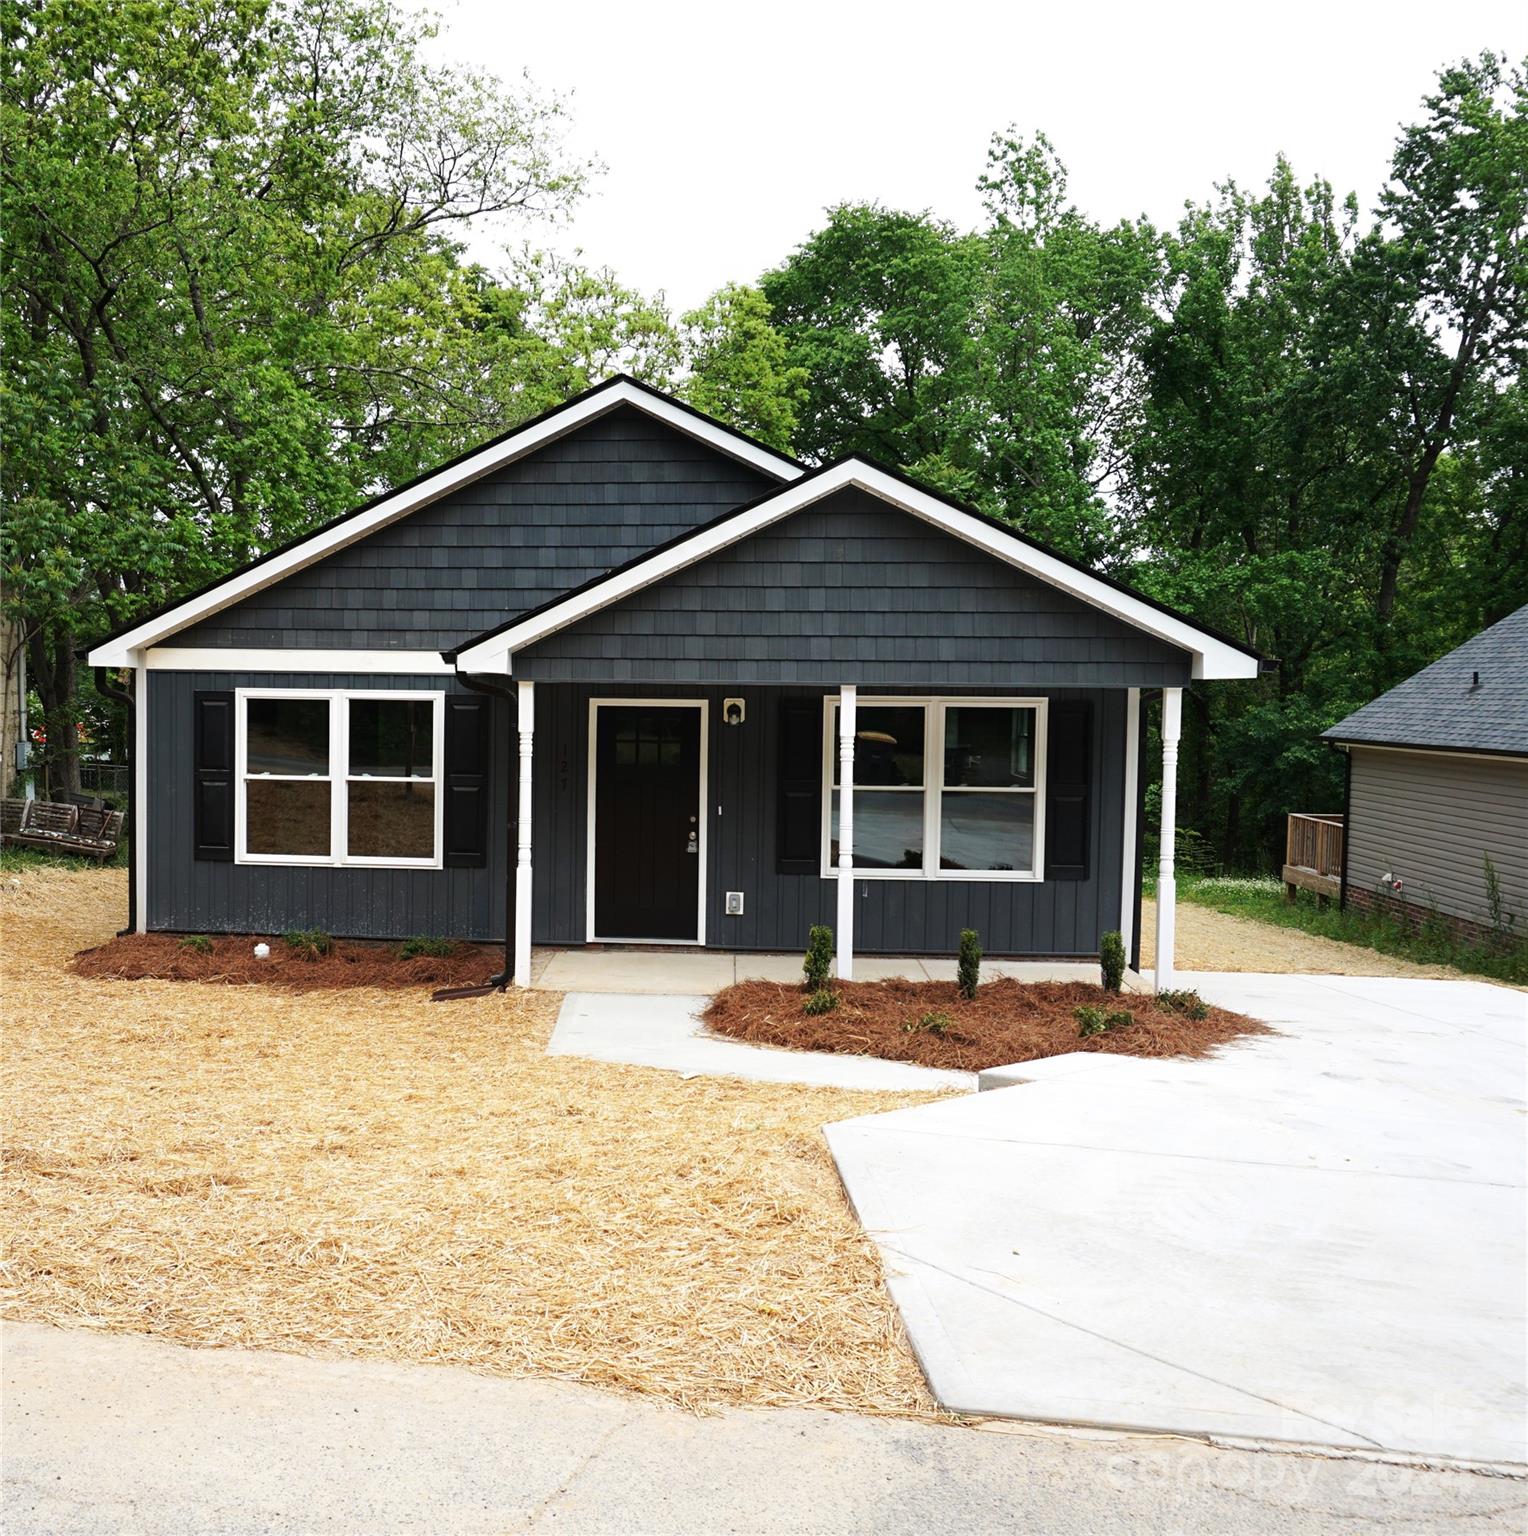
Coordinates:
693 846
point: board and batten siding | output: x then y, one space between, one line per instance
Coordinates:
1430 819
852 589
189 895
514 539
1060 917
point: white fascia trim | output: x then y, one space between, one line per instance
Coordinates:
169 658
1212 658
118 652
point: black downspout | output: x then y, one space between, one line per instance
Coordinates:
1347 809
505 691
111 691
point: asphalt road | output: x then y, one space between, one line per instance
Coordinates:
105 1433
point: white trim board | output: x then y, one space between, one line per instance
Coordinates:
169 658
933 788
350 530
1212 657
338 778
703 792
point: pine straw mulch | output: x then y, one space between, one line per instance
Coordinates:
231 960
1006 1021
366 1173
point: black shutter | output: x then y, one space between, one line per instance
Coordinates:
1069 773
212 792
798 812
468 721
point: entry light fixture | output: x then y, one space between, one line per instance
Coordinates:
732 711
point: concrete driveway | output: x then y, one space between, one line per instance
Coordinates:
1315 1237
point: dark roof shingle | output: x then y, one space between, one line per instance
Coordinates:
1444 708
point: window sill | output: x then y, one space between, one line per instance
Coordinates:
283 861
944 876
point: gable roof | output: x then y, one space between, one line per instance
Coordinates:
116 648
1213 655
1475 699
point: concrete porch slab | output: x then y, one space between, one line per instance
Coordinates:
644 1030
660 971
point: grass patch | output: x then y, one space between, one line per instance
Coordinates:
1429 942
15 861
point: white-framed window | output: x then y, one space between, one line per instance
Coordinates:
339 776
944 789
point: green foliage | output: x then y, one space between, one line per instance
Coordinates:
968 966
200 943
1428 944
1098 1021
1184 1001
424 944
307 943
1111 960
740 370
823 1000
933 1022
1502 921
819 957
234 300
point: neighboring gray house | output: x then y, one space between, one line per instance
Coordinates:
1438 783
624 675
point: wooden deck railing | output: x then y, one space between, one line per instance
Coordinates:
1313 854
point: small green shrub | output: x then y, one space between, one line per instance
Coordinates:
931 1023
308 943
426 944
1187 1003
1111 960
819 957
1099 1021
1502 921
198 942
823 1000
968 967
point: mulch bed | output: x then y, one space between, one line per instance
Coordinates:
1007 1021
231 961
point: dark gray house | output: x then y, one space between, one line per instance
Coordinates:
1438 783
626 676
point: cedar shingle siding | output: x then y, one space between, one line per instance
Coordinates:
853 590
508 542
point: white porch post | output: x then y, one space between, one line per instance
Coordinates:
1167 893
1129 863
526 722
846 708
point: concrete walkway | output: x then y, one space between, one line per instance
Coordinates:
665 1032
1315 1237
108 1434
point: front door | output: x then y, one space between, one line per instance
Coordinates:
647 829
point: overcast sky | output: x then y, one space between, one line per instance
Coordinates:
727 129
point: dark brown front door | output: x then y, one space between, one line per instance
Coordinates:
646 822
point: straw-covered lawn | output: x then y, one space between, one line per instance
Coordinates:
367 1173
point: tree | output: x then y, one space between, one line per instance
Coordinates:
739 366
232 300
1444 284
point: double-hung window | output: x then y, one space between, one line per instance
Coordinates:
335 777
943 789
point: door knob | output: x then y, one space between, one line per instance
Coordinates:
693 846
